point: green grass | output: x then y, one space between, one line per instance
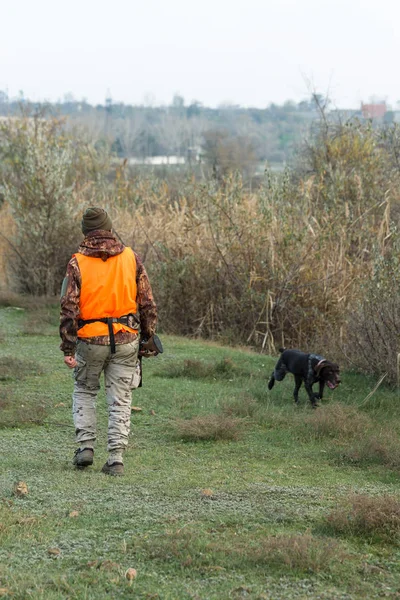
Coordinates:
257 515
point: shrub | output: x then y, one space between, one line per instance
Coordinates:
374 327
367 516
39 194
46 179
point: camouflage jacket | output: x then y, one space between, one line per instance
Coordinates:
102 244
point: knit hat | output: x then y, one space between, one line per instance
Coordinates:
95 218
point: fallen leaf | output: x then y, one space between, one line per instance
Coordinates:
74 513
54 551
136 409
152 412
4 591
206 493
20 488
131 574
59 405
92 563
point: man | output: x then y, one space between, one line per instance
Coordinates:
106 298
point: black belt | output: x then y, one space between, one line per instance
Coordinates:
128 320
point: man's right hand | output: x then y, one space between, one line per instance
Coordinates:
70 361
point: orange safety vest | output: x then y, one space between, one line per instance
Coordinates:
108 290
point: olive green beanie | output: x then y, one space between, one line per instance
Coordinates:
95 218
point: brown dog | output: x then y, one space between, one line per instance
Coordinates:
309 368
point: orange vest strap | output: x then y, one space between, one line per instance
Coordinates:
128 320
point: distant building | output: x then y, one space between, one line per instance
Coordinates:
156 161
374 111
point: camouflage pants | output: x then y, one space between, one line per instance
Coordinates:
120 375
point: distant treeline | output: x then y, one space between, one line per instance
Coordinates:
225 138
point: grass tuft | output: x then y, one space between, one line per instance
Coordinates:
244 406
14 369
208 427
367 516
197 369
379 448
337 421
44 320
305 552
14 413
31 303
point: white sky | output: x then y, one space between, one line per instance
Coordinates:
247 52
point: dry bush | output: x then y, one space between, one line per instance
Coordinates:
7 254
46 179
339 422
40 198
208 427
301 552
229 265
277 267
367 516
374 326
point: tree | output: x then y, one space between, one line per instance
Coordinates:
224 153
38 191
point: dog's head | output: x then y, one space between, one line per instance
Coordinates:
329 372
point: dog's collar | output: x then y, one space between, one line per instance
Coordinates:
319 366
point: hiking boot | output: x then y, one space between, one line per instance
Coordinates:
116 469
83 458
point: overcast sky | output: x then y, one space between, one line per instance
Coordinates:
248 52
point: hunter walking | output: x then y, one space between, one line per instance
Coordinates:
106 301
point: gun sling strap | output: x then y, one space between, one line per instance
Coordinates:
129 320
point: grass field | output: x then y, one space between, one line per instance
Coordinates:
230 490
